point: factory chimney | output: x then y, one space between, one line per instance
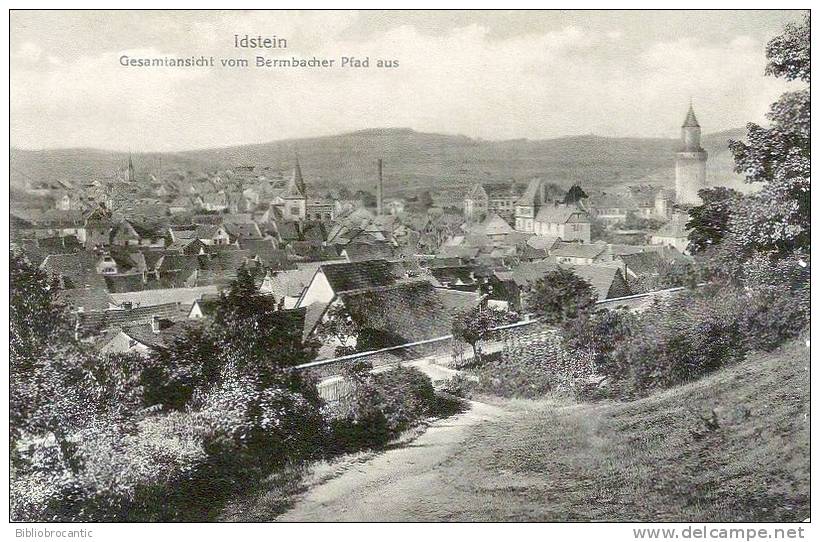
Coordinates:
380 191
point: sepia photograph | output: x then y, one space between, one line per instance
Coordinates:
417 266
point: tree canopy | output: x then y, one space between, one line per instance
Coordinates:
777 220
560 296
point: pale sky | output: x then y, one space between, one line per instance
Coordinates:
493 75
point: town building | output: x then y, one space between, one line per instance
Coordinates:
673 233
569 222
483 200
537 194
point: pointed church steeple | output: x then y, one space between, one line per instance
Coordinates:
131 176
297 179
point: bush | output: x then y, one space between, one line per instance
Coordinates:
380 406
459 386
523 377
117 473
771 317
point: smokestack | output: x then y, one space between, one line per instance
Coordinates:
380 191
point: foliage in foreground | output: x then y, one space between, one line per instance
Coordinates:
379 406
171 437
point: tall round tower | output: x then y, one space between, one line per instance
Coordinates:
690 162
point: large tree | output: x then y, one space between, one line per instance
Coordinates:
56 386
560 295
777 220
710 221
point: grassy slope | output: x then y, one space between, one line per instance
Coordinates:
640 461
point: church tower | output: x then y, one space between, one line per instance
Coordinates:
690 162
131 176
295 195
297 178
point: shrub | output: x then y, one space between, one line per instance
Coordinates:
380 406
599 335
459 386
771 317
408 397
118 473
684 338
521 379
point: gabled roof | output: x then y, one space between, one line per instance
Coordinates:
544 242
311 251
208 304
493 225
578 250
313 231
451 274
131 282
459 252
58 217
292 282
265 250
287 230
79 270
176 262
244 230
457 300
145 231
149 298
208 231
357 275
559 214
90 299
643 262
120 317
228 260
399 313
526 252
600 276
313 315
360 251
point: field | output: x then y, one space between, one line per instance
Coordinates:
731 447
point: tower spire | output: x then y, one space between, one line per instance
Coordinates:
131 177
691 121
296 178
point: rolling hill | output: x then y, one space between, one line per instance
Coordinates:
413 160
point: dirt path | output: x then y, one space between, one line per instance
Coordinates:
398 485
